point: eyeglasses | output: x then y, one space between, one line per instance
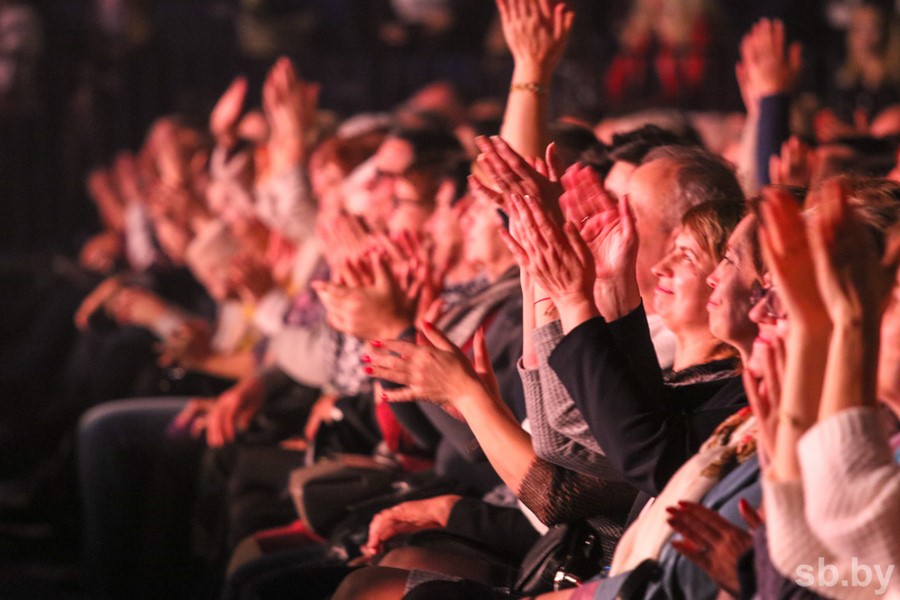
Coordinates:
772 306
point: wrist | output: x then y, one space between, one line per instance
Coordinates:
444 508
575 311
529 72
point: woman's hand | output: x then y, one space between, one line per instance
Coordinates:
512 174
435 370
710 541
290 106
536 32
408 517
365 300
559 261
853 279
227 112
786 251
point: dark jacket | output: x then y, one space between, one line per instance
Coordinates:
647 427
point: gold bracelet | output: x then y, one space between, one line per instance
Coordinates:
529 86
795 421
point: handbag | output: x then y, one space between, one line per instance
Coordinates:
323 493
564 557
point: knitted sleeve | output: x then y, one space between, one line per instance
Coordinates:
558 495
795 550
853 487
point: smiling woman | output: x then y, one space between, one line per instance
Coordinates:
682 292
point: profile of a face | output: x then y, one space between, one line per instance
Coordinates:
732 284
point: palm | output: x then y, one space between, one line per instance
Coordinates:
612 243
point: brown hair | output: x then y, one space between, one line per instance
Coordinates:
711 223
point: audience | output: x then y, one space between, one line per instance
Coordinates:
527 357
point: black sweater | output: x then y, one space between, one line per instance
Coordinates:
647 427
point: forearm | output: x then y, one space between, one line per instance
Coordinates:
807 355
617 299
576 311
852 369
558 495
235 365
773 129
504 442
529 358
525 119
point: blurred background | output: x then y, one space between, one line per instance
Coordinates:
82 79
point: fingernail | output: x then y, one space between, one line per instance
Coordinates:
377 344
744 505
384 396
369 370
366 358
428 325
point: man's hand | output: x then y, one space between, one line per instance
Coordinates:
233 411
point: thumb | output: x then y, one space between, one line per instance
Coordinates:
381 270
483 365
555 165
436 338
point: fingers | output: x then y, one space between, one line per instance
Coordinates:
517 251
693 552
437 338
191 411
750 515
406 394
555 166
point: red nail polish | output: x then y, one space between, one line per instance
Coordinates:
428 325
377 344
384 396
369 370
366 358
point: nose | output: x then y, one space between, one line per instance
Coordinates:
713 279
758 313
663 267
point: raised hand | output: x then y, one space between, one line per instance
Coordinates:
608 228
559 261
367 302
536 32
786 250
853 279
794 166
225 115
768 65
290 106
436 370
512 174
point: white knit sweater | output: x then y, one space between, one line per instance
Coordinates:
845 514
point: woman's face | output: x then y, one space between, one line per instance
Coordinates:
681 292
732 283
772 321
